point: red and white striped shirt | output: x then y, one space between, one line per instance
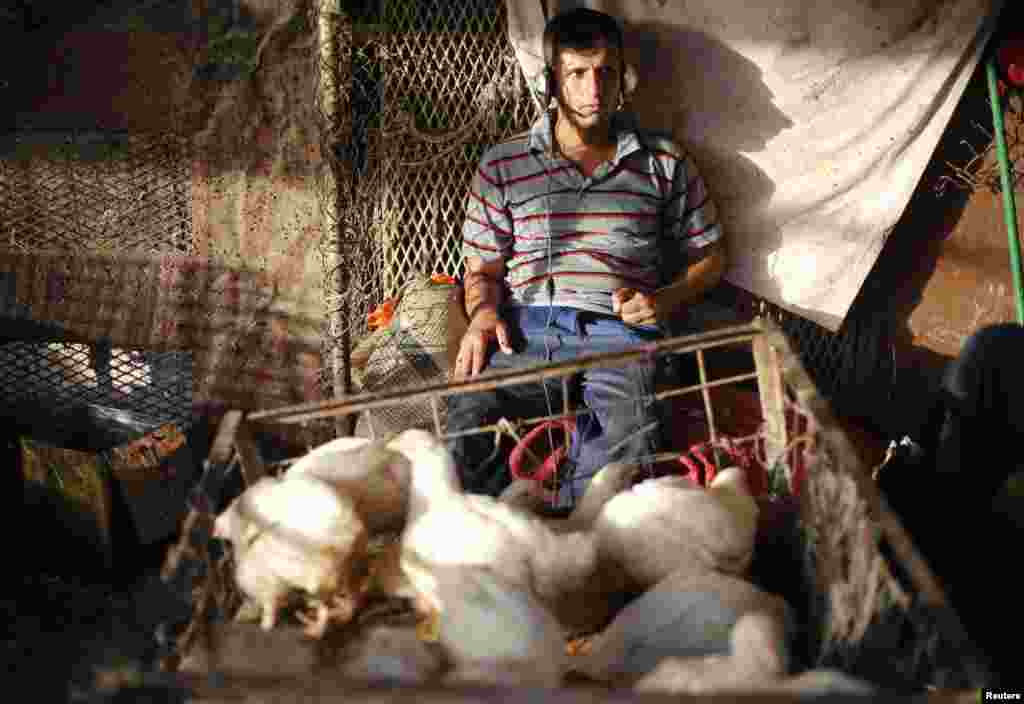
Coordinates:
634 223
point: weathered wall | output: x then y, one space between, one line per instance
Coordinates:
945 270
234 79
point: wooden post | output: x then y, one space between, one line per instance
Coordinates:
248 455
772 395
332 53
224 441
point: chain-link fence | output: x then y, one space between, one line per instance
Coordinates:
452 88
156 386
417 92
425 89
422 89
104 193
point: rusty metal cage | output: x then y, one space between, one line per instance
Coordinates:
870 605
92 192
155 386
424 89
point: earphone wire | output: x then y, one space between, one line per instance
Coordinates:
549 282
548 51
550 93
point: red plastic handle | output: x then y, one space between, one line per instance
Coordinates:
550 464
1010 58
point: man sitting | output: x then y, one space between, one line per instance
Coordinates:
582 236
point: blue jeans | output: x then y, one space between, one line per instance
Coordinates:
624 424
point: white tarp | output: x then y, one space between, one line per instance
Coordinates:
812 120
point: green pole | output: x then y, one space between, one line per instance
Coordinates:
1009 204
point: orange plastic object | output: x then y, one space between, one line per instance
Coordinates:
382 315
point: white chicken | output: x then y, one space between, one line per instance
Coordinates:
374 476
663 525
611 480
297 534
449 529
727 675
495 633
709 624
591 605
756 658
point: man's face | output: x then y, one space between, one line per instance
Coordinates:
588 85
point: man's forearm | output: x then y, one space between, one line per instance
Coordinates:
691 284
483 285
481 290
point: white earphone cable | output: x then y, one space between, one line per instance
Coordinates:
549 282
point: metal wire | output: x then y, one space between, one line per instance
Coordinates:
423 89
87 191
157 386
83 192
854 368
491 380
855 598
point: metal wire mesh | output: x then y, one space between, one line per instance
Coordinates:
820 351
154 385
874 609
107 193
95 192
422 89
431 85
854 368
451 89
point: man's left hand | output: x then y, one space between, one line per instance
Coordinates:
635 307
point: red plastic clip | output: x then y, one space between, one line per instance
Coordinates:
1010 59
550 465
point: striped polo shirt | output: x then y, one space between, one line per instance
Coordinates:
569 240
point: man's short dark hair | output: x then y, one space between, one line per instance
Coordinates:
580 29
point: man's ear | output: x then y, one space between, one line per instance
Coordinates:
630 79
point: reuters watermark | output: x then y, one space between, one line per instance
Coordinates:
1000 695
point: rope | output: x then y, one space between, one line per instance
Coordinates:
505 427
486 101
701 467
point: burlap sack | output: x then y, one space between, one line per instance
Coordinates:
411 351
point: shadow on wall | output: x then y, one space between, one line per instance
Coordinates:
895 285
715 103
718 104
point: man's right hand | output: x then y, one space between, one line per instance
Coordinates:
486 327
